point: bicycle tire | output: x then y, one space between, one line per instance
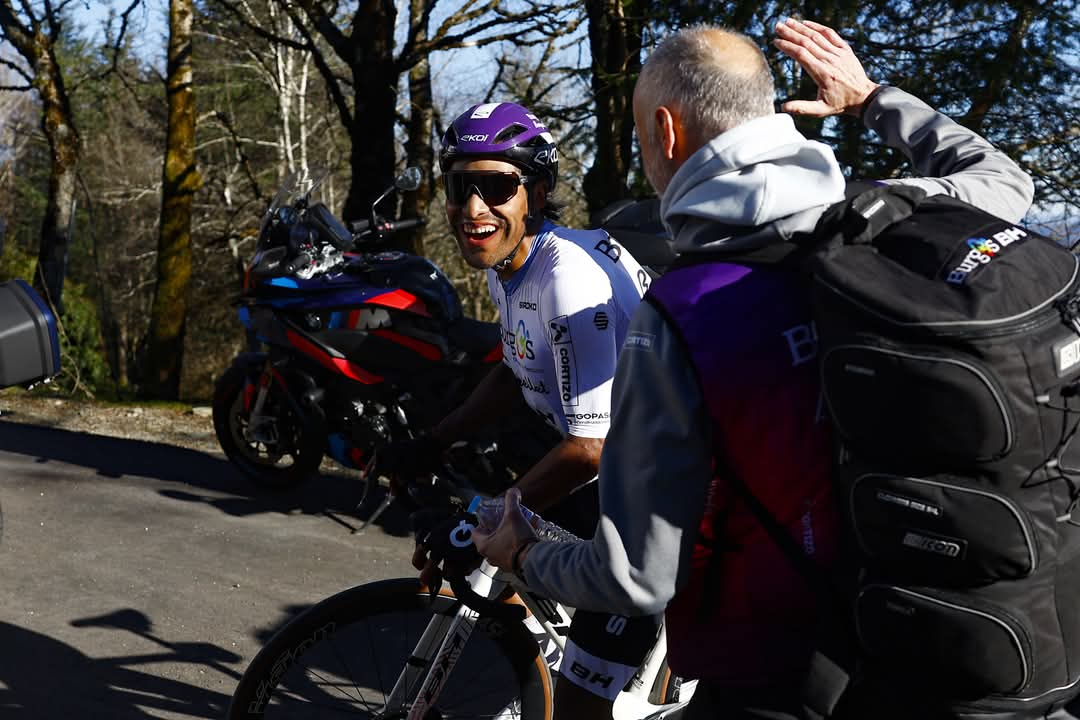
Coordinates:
512 680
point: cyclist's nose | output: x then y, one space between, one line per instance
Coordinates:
474 203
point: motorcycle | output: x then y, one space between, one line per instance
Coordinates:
354 346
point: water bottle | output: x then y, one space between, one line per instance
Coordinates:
490 511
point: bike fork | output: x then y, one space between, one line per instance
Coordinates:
435 656
254 429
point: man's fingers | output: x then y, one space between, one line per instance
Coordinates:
822 44
810 108
432 578
481 538
802 48
831 35
801 55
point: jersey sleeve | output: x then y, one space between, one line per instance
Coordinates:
578 311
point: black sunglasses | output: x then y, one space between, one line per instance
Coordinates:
494 188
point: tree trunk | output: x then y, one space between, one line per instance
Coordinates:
374 71
615 28
180 180
58 124
1001 68
418 150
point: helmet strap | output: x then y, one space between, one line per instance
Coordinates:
505 262
530 220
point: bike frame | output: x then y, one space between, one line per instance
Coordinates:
440 646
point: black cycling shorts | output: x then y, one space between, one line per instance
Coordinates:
603 650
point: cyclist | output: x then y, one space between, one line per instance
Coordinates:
715 384
565 298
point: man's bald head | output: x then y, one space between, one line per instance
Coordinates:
713 78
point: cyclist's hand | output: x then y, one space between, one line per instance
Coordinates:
407 460
445 539
500 544
430 572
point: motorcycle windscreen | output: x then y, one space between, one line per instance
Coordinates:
29 343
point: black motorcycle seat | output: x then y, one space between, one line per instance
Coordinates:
475 337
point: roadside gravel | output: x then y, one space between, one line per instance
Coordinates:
183 426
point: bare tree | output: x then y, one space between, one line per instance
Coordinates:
615 39
362 72
180 181
34 31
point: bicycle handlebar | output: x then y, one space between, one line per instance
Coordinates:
485 606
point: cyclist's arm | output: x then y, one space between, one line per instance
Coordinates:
654 475
568 465
486 404
950 158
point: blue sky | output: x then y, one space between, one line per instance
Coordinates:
147 25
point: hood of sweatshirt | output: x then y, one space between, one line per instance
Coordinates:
757 183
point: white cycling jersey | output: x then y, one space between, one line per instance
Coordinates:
564 316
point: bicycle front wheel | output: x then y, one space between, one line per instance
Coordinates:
341 658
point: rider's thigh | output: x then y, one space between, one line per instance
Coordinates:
603 651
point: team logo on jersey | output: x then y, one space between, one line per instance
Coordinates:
600 320
560 330
567 372
522 343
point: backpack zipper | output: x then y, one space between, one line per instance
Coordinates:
1065 310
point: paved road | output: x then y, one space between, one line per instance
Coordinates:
137 579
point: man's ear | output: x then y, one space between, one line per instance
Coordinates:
540 193
666 132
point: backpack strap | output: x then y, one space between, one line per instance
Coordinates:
862 217
834 662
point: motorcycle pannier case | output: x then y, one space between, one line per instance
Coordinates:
29 344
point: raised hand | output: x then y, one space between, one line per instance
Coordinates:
843 86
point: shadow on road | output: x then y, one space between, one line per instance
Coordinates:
45 678
333 495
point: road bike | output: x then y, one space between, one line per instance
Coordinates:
482 648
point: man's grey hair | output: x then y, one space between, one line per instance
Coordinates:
686 71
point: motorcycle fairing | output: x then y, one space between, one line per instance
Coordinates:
330 358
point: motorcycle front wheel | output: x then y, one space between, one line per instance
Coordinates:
279 448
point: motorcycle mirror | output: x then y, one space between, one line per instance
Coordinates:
409 179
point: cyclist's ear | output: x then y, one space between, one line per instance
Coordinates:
540 191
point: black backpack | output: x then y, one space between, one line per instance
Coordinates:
949 352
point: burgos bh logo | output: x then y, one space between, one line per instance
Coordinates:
524 344
981 252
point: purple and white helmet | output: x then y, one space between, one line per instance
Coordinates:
502 131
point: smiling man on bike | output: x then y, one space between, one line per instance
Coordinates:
565 298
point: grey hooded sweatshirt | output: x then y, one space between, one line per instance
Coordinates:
754 184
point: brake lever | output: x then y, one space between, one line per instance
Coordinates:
485 606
